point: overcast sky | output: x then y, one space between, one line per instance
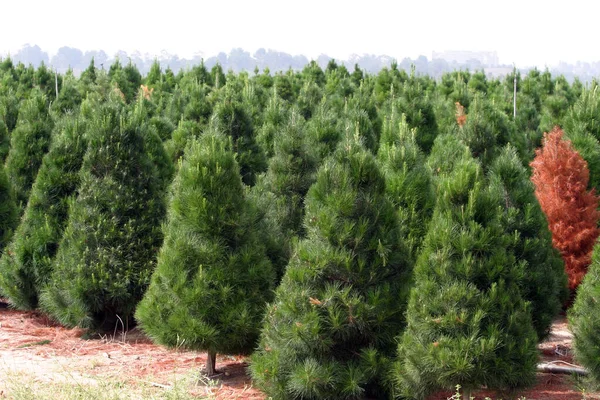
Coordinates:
524 32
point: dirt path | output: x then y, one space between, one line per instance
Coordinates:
33 345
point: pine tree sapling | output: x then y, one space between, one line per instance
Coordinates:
29 142
545 281
467 322
232 118
408 181
27 264
290 174
213 279
329 334
561 176
584 319
9 215
108 250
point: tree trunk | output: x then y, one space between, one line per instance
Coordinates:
210 363
561 369
466 394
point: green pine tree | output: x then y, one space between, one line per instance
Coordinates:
4 141
323 131
213 279
108 251
275 116
27 264
29 142
9 214
232 118
544 280
414 102
330 332
284 186
409 182
584 319
487 130
9 109
467 322
178 142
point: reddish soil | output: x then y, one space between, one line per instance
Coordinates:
31 343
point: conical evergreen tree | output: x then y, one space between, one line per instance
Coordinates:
588 147
330 331
9 109
467 322
26 265
584 319
409 182
69 98
275 116
413 102
178 142
322 130
140 116
108 250
232 118
213 279
29 142
291 173
9 215
544 281
487 130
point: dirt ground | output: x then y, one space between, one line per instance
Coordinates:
32 344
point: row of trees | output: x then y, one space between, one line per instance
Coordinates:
366 235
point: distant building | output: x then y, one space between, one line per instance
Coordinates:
487 58
498 72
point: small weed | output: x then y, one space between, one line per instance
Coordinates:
40 343
458 396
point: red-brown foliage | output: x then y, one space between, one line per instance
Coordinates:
561 176
461 117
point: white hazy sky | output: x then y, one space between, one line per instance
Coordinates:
526 32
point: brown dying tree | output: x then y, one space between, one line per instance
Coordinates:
561 176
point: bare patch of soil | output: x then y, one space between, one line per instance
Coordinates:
32 344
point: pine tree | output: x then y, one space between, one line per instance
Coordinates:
290 174
213 279
467 322
561 176
584 319
9 109
27 264
69 98
232 118
329 333
178 142
487 130
323 131
275 116
408 180
108 250
588 147
9 215
545 281
141 117
4 141
29 142
413 102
